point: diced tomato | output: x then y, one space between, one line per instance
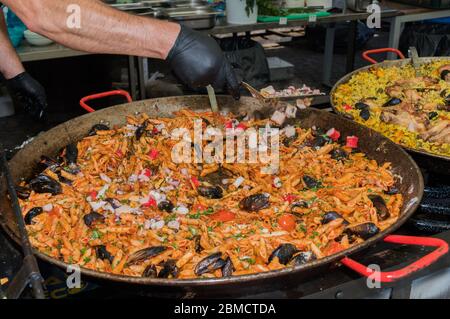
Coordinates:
147 172
223 215
199 207
352 141
229 124
119 153
155 130
241 126
93 194
347 107
195 181
333 248
289 198
153 154
151 203
287 222
333 134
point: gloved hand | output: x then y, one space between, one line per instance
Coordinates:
28 93
197 60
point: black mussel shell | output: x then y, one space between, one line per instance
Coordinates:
380 206
145 254
209 264
103 254
365 231
140 130
166 206
284 252
311 182
338 154
22 192
31 214
93 217
361 106
364 114
303 258
254 202
170 269
392 102
300 203
432 115
115 203
98 127
213 192
197 246
318 141
71 153
45 184
445 75
150 272
228 268
330 216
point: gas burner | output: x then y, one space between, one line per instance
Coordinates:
433 215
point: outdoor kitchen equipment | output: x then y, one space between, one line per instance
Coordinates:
372 143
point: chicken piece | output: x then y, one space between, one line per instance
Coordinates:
394 91
413 96
443 137
405 119
433 134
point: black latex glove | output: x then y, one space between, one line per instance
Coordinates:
197 60
29 94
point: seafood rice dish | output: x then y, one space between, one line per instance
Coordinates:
116 202
412 109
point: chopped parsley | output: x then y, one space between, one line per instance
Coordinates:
201 213
96 234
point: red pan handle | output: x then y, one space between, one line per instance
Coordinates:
390 276
366 54
102 95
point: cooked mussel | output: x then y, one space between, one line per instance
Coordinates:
318 141
209 264
392 102
45 184
166 206
254 202
311 182
228 268
140 130
213 192
103 254
115 203
71 153
339 154
169 270
361 106
93 217
364 114
22 192
364 231
197 246
284 252
332 215
302 258
98 127
31 214
145 253
445 75
380 206
150 272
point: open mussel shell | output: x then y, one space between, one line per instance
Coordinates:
284 252
380 206
93 217
212 192
169 270
45 184
209 264
254 202
35 211
145 254
103 254
364 231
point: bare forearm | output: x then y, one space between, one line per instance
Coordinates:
10 64
102 29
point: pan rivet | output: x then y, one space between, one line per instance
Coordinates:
339 295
